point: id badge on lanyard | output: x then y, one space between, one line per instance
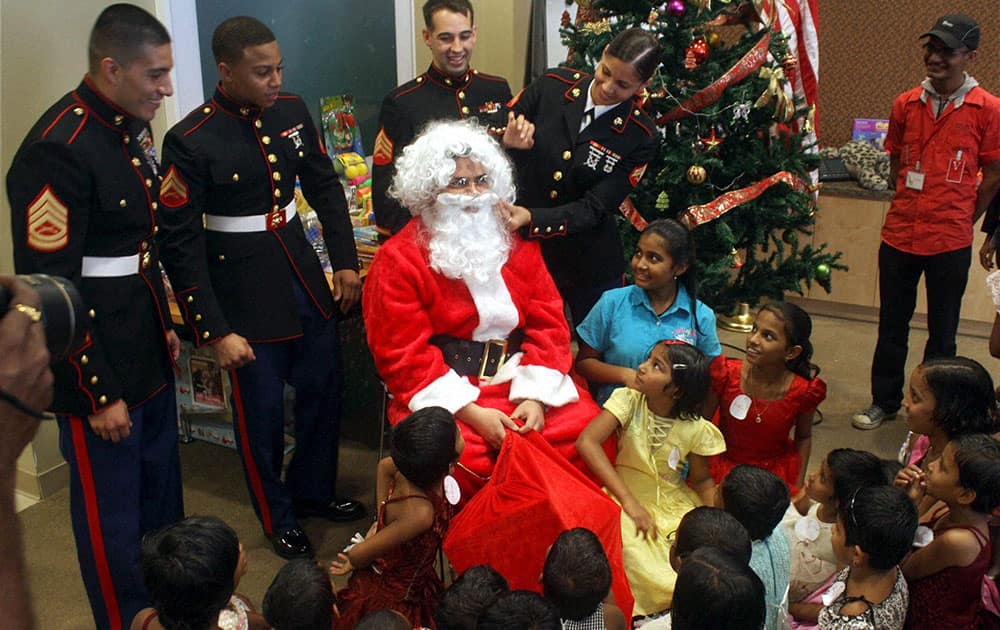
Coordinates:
956 169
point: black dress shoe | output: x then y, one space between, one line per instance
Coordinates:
340 510
291 544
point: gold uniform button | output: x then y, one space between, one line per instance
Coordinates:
636 112
84 359
146 259
535 231
277 207
557 175
103 400
244 111
92 313
265 139
222 258
156 228
302 153
553 194
567 155
154 206
420 79
190 299
447 81
461 95
548 229
465 110
258 124
197 317
619 121
207 110
122 203
205 335
272 158
94 380
136 162
575 92
576 75
78 111
277 193
276 176
149 183
126 139
143 246
119 119
236 177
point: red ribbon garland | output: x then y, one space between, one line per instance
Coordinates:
697 215
750 62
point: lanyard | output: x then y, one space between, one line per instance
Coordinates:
938 126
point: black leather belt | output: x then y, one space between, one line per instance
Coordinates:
478 358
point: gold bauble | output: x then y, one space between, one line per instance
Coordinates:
697 174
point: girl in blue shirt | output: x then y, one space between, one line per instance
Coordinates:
662 304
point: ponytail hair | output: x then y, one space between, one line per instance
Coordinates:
798 328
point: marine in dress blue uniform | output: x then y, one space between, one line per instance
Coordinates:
83 191
240 264
573 181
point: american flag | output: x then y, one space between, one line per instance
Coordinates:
799 21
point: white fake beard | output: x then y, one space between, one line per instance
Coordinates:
467 239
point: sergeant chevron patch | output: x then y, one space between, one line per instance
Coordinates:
48 222
383 148
173 189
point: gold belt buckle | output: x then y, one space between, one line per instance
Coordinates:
486 361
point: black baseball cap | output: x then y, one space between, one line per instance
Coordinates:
956 30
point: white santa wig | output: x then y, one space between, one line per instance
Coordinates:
428 163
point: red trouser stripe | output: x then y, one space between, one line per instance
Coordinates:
94 522
255 485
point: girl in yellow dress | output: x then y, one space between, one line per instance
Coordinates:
661 470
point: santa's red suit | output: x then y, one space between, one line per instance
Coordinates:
406 303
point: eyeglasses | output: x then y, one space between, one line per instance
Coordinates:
943 51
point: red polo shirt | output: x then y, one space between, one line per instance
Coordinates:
953 146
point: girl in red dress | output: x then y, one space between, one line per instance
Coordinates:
946 576
393 567
770 393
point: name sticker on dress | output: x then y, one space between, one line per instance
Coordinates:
740 406
452 492
807 528
600 156
833 593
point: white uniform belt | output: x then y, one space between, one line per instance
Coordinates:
110 266
252 223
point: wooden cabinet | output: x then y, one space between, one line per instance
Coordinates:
853 226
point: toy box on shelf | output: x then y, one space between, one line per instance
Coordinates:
871 130
202 398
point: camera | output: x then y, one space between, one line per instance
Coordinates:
63 313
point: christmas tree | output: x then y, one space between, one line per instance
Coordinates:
733 163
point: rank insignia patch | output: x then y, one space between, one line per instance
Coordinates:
173 189
637 174
383 149
48 222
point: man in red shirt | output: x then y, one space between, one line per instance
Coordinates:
941 133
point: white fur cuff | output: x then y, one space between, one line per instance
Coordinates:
450 391
548 386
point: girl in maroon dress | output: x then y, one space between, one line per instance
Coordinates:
946 576
393 567
770 393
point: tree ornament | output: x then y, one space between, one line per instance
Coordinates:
742 112
564 21
697 174
789 237
662 200
822 272
714 39
654 15
676 8
711 142
695 54
739 259
598 27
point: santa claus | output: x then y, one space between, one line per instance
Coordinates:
461 313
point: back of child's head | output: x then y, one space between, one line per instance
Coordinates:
423 446
706 526
300 598
853 469
965 401
384 619
881 520
520 610
715 590
798 328
189 568
756 497
468 597
977 457
577 575
891 468
680 246
691 375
